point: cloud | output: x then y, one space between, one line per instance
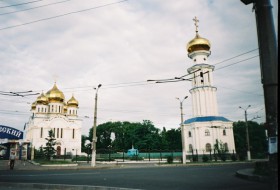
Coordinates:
123 45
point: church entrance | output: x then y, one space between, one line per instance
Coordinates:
58 151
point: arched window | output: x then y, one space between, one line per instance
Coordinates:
226 146
190 148
224 132
208 147
190 134
207 132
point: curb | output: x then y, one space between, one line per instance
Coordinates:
248 174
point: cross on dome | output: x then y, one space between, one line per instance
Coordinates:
196 24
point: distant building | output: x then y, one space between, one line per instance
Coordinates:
206 126
51 112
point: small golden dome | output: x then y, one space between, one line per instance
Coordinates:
33 106
198 43
55 94
42 99
72 102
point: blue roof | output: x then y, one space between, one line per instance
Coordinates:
205 119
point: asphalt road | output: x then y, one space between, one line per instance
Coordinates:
215 177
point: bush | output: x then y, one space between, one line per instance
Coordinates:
242 157
223 157
195 158
136 158
233 157
205 158
169 159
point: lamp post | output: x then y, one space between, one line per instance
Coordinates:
94 139
182 131
247 134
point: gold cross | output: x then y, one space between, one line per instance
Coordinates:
196 24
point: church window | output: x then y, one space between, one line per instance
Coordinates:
61 133
59 109
204 59
41 135
57 132
70 112
224 132
201 75
52 109
190 148
207 132
208 147
190 134
226 146
73 134
194 60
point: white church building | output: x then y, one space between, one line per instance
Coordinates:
51 112
206 127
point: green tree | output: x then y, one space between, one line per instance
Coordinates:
173 137
257 139
49 150
220 148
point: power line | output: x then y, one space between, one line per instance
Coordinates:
238 62
20 4
1 14
236 56
66 14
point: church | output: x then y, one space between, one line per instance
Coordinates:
206 127
50 111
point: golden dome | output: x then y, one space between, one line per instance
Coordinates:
198 43
33 106
55 94
42 99
72 102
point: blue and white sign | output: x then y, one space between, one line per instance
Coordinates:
10 133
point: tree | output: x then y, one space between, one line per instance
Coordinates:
220 148
49 150
257 139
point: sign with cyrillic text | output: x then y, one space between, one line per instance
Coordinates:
10 133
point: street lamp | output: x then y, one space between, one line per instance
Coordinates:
182 131
247 134
94 139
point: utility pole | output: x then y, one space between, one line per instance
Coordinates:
182 131
247 134
268 50
94 139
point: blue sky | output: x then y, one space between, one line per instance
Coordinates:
121 46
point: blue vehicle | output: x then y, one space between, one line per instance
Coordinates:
132 152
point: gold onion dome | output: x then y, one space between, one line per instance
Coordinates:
55 94
33 106
42 99
198 43
72 102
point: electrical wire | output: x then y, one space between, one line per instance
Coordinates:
1 14
19 4
62 15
